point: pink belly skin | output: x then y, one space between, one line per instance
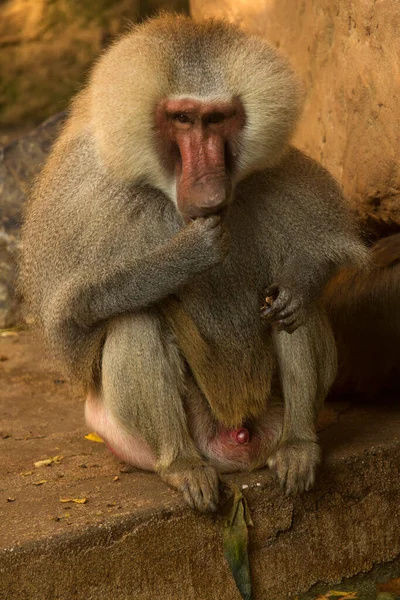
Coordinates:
228 451
132 449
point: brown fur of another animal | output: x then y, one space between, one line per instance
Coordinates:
364 309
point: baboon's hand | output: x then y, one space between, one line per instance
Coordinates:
295 463
208 241
286 310
198 482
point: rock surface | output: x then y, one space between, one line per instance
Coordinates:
347 53
20 161
47 46
135 538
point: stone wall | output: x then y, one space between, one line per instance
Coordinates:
47 46
348 55
20 161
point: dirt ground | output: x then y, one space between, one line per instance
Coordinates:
88 526
41 417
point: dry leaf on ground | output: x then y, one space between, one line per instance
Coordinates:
338 595
93 437
48 461
342 595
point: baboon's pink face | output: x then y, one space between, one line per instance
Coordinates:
200 144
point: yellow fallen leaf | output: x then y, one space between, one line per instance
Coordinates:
43 463
76 500
93 437
48 461
6 333
342 595
26 473
41 482
116 478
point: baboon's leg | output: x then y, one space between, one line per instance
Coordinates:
141 398
307 364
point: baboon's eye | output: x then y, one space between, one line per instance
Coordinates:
215 118
182 118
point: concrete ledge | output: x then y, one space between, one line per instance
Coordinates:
134 538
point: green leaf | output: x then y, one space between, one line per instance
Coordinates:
235 540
